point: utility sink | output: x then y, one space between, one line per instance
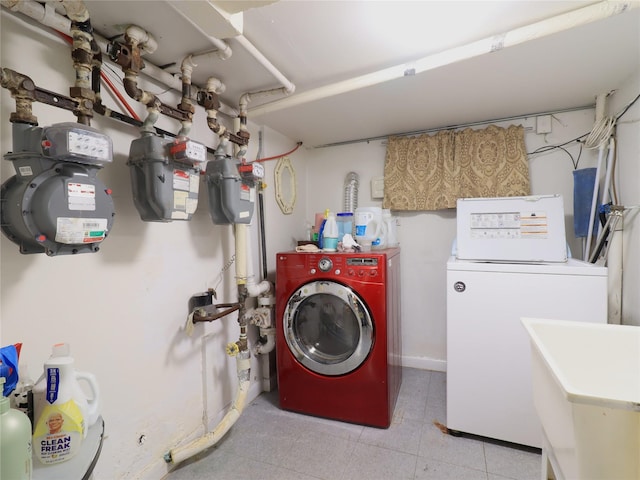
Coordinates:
586 388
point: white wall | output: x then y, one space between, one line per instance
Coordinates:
628 178
426 237
123 309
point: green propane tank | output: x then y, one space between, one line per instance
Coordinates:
15 441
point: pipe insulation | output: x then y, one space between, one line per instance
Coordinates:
559 23
180 454
241 253
47 16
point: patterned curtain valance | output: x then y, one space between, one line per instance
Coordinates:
430 172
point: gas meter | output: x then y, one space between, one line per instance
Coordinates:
232 188
55 203
165 176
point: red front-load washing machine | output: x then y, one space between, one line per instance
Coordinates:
338 334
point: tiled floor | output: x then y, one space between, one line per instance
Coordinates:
269 443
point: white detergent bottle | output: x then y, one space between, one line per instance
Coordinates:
368 221
392 229
330 233
62 411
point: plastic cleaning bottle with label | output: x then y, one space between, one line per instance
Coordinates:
15 441
392 229
62 410
330 233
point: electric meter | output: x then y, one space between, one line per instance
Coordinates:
55 203
231 187
165 176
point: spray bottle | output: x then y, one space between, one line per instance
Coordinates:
15 441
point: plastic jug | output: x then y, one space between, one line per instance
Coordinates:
330 233
392 228
369 226
345 224
63 412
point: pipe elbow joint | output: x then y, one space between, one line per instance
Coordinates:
225 52
140 38
187 66
215 85
255 290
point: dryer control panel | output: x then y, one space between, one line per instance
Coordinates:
362 267
340 265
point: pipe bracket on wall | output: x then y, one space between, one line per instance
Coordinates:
211 312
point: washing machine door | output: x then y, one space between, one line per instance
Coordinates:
328 328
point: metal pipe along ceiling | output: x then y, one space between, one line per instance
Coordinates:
559 23
46 15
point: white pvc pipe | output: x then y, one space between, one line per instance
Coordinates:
263 348
222 48
45 14
575 18
607 178
594 204
244 264
288 86
614 276
241 253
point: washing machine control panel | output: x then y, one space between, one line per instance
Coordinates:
365 261
360 267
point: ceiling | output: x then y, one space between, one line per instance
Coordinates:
327 49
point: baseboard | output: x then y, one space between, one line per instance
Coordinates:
425 363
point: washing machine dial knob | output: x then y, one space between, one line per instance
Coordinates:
351 272
325 264
373 273
361 273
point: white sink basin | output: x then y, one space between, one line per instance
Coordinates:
586 388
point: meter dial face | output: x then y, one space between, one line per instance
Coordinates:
325 264
258 170
93 146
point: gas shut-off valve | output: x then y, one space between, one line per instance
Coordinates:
55 204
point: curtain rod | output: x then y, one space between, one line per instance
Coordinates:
452 127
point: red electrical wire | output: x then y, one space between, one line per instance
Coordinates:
279 156
109 83
115 91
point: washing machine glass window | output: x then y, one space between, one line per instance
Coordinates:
328 328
